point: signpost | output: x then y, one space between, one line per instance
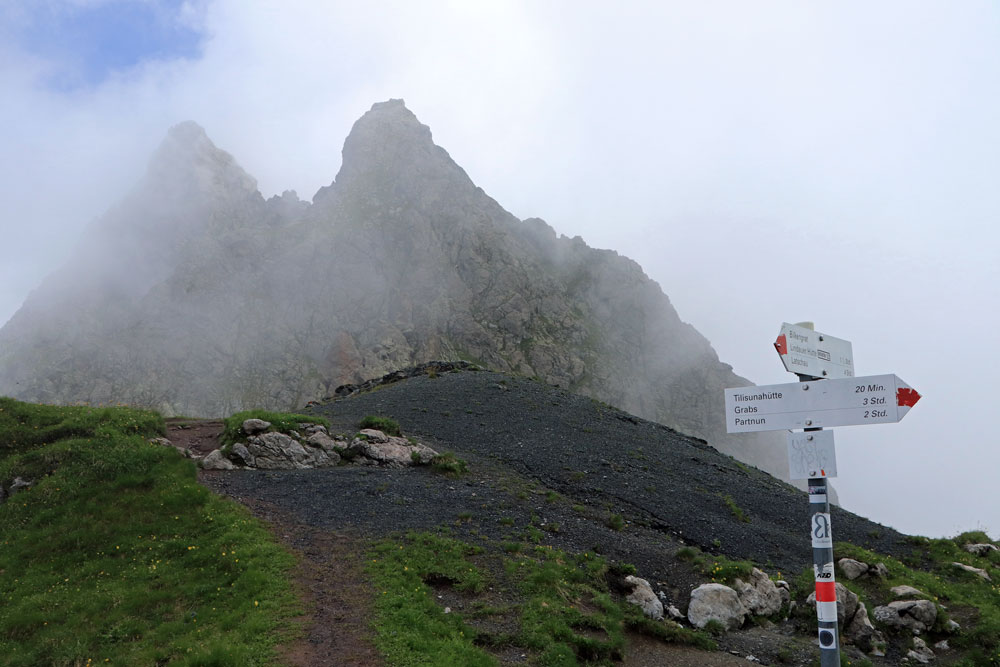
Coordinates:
875 399
807 352
826 395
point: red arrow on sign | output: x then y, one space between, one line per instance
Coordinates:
906 397
781 345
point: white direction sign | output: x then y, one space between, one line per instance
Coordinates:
812 353
874 399
811 454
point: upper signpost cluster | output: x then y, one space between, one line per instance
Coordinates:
831 395
807 352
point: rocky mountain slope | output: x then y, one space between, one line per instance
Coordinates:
549 467
194 295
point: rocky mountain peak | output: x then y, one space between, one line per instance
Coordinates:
187 160
389 150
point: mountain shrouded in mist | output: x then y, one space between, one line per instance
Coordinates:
196 296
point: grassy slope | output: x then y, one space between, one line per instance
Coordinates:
118 554
930 569
563 611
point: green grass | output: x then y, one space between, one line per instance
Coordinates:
384 424
118 553
735 509
283 422
930 570
717 567
570 617
449 464
411 628
562 604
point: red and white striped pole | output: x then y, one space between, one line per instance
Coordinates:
821 534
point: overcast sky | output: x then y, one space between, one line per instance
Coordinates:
764 162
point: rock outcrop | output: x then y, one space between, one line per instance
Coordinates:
313 447
197 296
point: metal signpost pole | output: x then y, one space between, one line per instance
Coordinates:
821 534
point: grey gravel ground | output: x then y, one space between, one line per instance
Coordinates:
522 439
551 467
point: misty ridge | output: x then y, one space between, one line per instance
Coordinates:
194 295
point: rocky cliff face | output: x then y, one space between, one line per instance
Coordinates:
197 296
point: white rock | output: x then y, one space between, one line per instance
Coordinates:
374 435
393 452
759 595
980 549
643 596
255 426
974 570
906 592
917 615
716 602
216 461
852 569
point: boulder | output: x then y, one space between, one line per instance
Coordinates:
240 455
759 595
980 549
325 442
860 631
255 426
920 652
278 451
716 602
916 615
979 572
374 435
310 429
393 452
642 595
879 570
902 592
215 460
852 569
19 485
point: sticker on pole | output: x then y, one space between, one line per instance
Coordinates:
824 573
807 352
822 535
811 455
827 638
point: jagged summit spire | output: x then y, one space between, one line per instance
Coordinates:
389 143
187 158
